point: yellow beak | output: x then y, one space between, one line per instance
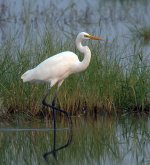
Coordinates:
95 37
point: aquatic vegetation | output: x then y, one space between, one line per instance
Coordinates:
145 33
141 33
117 80
110 140
105 86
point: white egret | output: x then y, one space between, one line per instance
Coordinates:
58 67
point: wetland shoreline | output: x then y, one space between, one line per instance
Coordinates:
118 78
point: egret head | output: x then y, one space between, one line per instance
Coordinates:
84 36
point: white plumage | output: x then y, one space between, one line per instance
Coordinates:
58 67
54 69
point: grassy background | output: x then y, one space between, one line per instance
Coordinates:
110 83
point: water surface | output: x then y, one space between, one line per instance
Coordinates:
105 141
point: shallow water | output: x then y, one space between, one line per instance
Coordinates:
113 19
26 23
105 141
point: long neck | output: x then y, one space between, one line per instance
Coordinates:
87 55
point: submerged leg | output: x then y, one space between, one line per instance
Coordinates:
51 106
54 108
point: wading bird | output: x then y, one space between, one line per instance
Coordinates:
57 68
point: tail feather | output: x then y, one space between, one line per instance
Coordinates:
27 76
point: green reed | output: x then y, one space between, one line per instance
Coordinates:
141 33
106 85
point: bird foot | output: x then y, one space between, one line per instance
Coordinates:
53 103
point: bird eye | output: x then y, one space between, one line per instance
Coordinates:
87 36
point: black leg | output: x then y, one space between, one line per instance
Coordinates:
44 99
54 112
54 108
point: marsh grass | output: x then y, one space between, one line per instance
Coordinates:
141 33
105 86
114 82
145 33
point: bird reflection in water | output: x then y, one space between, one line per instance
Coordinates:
55 149
55 109
55 70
